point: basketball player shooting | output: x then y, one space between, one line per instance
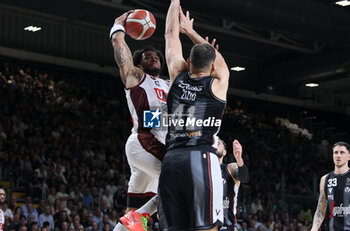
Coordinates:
335 192
144 91
190 184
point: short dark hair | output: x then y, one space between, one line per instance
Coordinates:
344 144
202 55
137 56
46 224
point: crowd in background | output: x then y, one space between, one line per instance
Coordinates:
62 143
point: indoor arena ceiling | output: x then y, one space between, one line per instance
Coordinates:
282 44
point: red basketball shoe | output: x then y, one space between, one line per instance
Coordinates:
135 221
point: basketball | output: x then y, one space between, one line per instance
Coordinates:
140 24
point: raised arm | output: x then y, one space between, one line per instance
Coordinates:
221 72
239 171
173 47
321 207
129 74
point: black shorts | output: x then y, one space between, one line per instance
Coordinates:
190 189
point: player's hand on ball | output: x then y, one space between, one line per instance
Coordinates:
122 18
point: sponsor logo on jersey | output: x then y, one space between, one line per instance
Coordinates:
339 211
161 95
189 91
226 203
330 197
330 190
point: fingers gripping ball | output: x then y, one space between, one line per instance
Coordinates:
140 24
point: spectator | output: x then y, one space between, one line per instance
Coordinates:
31 211
114 218
51 198
7 211
76 195
25 206
47 217
13 204
94 227
63 217
76 223
30 220
105 220
62 195
46 225
107 227
34 226
98 215
84 217
41 207
87 198
256 205
22 228
64 226
108 198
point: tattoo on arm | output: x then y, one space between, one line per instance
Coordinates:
119 56
320 212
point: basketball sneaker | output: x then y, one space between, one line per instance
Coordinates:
135 221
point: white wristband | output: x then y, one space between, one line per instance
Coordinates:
115 28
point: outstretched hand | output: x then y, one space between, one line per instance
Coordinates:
216 46
186 23
237 152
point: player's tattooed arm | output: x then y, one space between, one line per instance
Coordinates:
321 207
129 74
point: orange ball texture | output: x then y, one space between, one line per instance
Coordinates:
140 24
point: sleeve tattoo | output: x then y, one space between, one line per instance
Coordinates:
119 56
320 211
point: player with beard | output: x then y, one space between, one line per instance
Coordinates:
335 192
232 175
2 200
144 91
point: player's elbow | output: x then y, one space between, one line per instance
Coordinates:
170 35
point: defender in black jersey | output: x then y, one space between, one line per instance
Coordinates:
232 176
335 192
190 183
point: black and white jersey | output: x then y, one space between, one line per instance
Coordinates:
230 193
337 191
194 112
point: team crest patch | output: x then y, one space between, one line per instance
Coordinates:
347 182
330 190
347 189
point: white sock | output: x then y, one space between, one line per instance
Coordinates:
150 207
120 227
